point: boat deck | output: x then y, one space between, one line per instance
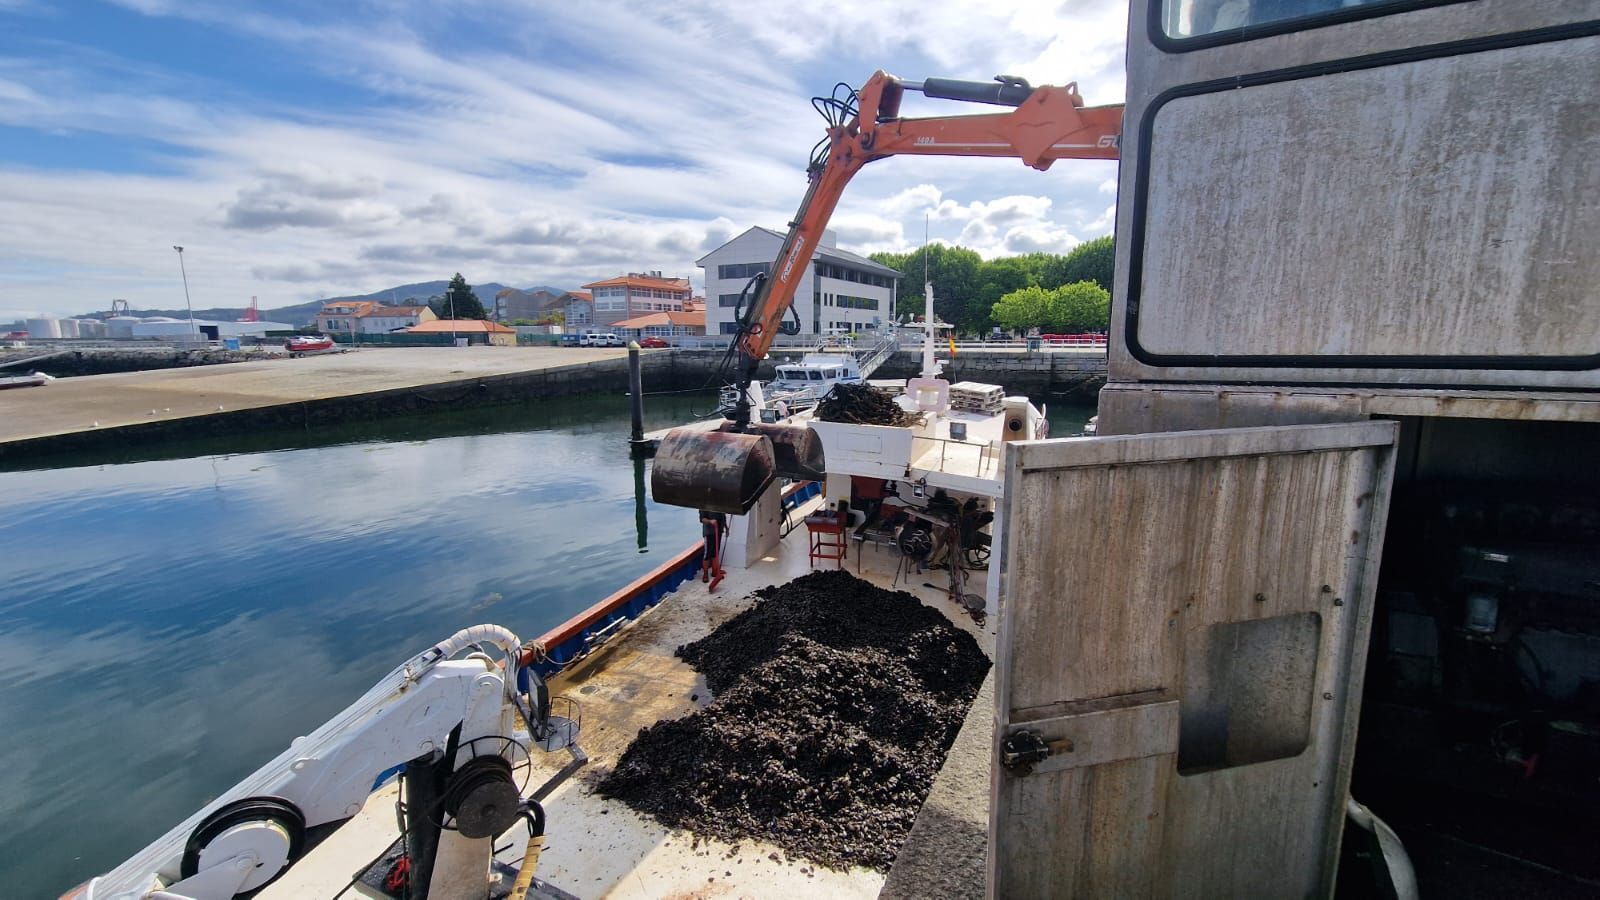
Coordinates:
601 848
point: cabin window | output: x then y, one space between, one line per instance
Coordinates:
816 376
1244 19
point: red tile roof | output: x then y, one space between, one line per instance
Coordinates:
690 319
644 281
460 326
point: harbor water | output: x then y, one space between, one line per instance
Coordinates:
167 626
171 618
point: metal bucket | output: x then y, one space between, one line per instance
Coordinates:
716 471
796 450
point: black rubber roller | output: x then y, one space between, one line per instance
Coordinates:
482 797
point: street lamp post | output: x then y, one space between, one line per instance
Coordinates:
193 328
450 294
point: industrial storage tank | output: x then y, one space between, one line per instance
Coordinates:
69 328
91 328
44 327
121 326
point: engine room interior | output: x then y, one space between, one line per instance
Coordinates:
1480 732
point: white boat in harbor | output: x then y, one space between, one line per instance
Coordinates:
798 385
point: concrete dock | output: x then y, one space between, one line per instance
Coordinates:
78 412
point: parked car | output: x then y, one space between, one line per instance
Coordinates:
652 343
600 339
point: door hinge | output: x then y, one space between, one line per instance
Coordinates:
1022 750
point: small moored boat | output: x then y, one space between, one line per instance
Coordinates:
308 343
32 379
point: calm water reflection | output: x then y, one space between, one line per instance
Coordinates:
168 625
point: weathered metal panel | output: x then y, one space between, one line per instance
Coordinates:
1411 192
1444 208
1251 548
1142 409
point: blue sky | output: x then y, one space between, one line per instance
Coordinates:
307 149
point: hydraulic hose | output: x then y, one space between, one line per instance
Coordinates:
478 634
1401 875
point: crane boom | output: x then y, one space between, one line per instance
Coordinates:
726 471
1048 123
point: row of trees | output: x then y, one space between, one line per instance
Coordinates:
968 290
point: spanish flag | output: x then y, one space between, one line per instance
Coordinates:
952 341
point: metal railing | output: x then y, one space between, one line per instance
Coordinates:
876 355
986 465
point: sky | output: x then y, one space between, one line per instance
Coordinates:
300 149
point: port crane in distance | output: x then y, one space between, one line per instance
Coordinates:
726 471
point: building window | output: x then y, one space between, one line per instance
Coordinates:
743 270
728 327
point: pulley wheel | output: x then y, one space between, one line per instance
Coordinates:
271 828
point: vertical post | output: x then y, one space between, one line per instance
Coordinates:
450 294
636 393
193 328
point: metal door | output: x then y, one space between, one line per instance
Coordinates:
1183 629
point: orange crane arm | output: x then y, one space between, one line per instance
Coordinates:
1047 124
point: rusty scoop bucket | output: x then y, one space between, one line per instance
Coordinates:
796 450
726 471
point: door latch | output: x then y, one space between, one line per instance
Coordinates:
1022 750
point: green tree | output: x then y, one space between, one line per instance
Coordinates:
1089 261
458 302
954 272
1080 306
1071 308
1023 309
998 277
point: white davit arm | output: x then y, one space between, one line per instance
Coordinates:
256 829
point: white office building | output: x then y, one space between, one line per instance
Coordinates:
842 292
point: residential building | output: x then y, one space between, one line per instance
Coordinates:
580 311
479 331
511 303
384 319
636 294
678 323
369 317
841 292
343 316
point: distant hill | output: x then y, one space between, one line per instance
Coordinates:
302 313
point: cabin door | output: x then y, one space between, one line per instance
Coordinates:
1183 633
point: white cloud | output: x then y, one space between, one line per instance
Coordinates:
513 164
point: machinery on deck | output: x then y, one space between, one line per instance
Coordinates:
726 471
454 731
